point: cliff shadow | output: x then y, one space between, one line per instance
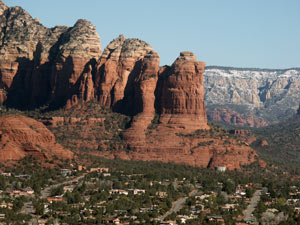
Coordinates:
162 76
131 104
30 86
38 84
60 87
17 97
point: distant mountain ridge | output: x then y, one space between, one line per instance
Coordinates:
251 68
269 94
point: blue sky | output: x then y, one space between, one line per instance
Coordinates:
241 33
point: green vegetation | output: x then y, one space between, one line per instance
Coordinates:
283 142
154 122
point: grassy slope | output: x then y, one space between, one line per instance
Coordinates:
283 142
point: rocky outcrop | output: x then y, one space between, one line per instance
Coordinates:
231 117
198 149
181 94
21 136
271 95
143 99
120 64
61 66
178 132
40 65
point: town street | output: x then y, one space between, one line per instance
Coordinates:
178 204
251 207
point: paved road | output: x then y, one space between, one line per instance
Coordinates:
47 191
251 207
28 206
177 205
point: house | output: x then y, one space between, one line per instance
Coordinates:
145 209
99 170
297 209
65 172
228 206
216 219
5 205
23 176
118 191
201 197
162 194
220 168
68 188
42 221
54 200
106 174
112 220
168 223
273 210
6 174
184 218
137 191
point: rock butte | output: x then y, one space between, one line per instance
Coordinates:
40 65
21 136
61 66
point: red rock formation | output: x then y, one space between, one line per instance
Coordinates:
165 145
263 143
233 118
144 84
59 66
39 65
172 137
72 72
21 136
119 65
182 94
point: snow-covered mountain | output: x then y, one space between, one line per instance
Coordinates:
265 93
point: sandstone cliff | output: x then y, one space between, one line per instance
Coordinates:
181 94
120 67
21 136
39 65
62 66
179 132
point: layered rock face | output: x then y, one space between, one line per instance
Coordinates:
39 65
61 66
174 133
200 148
181 94
21 136
231 117
119 67
143 98
271 95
